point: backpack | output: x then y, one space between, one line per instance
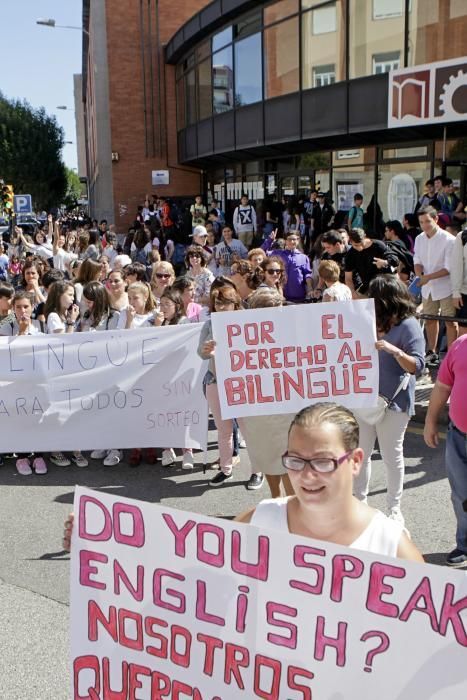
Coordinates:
140 256
178 257
176 216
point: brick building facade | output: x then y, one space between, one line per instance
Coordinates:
130 106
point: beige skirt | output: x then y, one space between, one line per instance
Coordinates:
266 441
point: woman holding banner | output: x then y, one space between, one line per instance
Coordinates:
224 298
322 459
401 349
265 436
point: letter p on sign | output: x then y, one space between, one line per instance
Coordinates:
22 203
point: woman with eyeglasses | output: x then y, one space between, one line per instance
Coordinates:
274 273
163 276
195 261
322 458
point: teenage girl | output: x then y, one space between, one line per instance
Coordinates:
141 311
99 314
61 314
22 324
173 310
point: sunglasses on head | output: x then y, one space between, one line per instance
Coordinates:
162 275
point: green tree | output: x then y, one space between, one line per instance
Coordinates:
74 190
30 153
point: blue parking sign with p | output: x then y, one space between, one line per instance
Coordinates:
22 203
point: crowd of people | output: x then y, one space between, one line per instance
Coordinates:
70 276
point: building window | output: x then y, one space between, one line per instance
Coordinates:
374 42
204 89
181 122
190 97
383 9
281 60
324 19
248 25
280 10
384 62
248 71
222 39
324 75
323 45
222 80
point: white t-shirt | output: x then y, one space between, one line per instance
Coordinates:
11 328
43 250
62 259
55 323
337 292
381 536
142 320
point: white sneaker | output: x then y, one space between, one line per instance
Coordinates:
395 514
168 457
188 461
98 454
59 459
113 458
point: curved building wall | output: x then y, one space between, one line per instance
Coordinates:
306 73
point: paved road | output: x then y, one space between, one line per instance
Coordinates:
34 569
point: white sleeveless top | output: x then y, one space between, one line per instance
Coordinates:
381 536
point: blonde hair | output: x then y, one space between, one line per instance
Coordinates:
329 271
263 298
164 266
328 412
144 289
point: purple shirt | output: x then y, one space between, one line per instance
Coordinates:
297 268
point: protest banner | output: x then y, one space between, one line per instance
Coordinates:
112 389
278 360
169 604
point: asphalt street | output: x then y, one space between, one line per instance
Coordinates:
34 571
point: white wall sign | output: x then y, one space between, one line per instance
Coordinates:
428 94
279 360
169 604
111 389
160 177
345 194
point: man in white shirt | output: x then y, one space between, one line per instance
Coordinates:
244 221
432 256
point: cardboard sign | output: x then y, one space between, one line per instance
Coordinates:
169 604
278 360
110 389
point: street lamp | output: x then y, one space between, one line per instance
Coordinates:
52 23
65 107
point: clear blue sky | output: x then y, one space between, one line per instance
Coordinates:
38 63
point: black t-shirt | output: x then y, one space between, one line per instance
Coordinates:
361 262
339 258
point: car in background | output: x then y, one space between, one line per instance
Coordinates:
29 219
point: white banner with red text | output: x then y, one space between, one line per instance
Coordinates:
170 604
279 360
110 389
